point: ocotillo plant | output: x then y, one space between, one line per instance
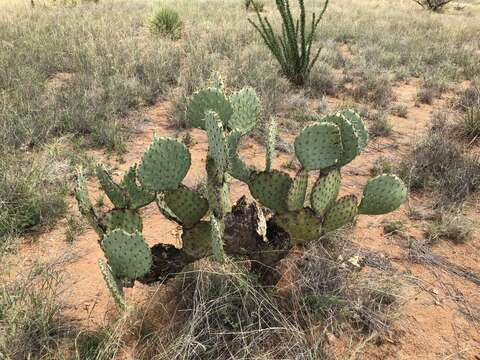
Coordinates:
293 46
209 225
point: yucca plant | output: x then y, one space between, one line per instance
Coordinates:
166 21
433 5
293 46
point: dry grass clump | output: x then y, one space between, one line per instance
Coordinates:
214 311
449 224
440 162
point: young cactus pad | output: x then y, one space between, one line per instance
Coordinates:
211 99
113 284
246 110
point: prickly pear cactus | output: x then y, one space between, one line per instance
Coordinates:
304 214
327 145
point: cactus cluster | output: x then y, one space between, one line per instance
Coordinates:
325 146
305 214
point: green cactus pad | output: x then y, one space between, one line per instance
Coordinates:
114 192
217 147
217 228
128 254
270 141
236 167
350 140
202 101
246 110
196 241
271 189
383 194
127 220
84 203
113 284
164 165
319 146
354 118
343 212
187 205
137 196
301 225
325 191
296 195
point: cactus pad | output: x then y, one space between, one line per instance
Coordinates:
296 194
236 167
208 99
128 254
343 212
164 165
271 189
246 110
354 118
350 140
127 220
217 147
271 140
137 196
85 205
114 192
301 225
382 195
325 191
319 146
196 241
187 205
113 284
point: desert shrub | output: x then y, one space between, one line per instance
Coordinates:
31 325
374 89
382 165
400 110
322 80
293 47
449 224
469 97
31 193
439 162
166 21
379 124
433 5
470 122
